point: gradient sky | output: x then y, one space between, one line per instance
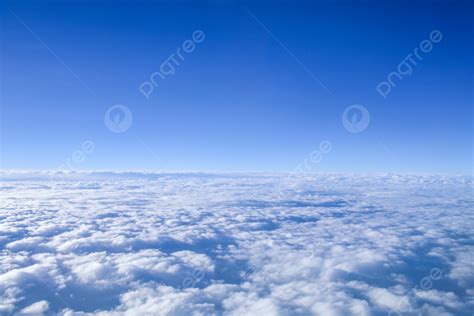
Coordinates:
246 98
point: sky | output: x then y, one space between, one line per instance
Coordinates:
264 86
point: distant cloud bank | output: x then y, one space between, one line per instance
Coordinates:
137 243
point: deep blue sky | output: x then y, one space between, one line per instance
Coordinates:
239 101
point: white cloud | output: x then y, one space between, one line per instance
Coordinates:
38 308
386 299
448 299
195 244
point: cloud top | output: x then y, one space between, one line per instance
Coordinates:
111 243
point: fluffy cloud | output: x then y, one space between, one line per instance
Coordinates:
38 308
110 243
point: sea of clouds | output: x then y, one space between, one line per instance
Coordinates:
232 244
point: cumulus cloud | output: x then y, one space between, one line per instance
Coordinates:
107 243
38 308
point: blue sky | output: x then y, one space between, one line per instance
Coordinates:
247 97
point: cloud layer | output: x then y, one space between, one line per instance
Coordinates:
223 244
